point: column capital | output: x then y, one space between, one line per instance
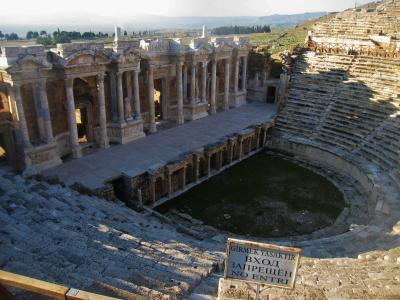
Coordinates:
119 73
100 78
69 82
151 66
41 83
16 85
180 59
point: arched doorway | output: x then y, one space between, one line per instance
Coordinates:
160 99
84 111
271 94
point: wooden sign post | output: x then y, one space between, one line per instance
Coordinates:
260 263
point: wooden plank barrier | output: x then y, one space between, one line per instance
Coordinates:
44 288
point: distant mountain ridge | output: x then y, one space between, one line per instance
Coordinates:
288 21
95 23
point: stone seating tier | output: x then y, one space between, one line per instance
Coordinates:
55 234
346 101
357 26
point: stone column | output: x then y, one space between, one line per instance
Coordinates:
264 138
193 84
73 130
236 78
113 97
185 82
226 84
213 108
138 114
169 185
257 79
121 115
240 142
179 93
103 143
165 90
244 73
21 117
220 157
184 177
230 153
150 94
196 167
263 78
46 112
258 132
128 99
139 199
208 157
11 99
152 189
204 81
38 111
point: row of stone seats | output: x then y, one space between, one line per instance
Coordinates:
309 95
352 117
54 234
343 104
357 26
383 146
360 24
391 8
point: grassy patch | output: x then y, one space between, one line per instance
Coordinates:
280 40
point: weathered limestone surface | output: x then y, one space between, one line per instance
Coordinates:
95 169
113 88
370 29
54 234
341 117
342 114
374 275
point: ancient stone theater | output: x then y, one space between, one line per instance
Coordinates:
87 95
98 137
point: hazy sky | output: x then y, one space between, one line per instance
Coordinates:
33 8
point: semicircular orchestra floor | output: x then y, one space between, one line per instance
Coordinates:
267 195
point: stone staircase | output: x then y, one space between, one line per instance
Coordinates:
52 233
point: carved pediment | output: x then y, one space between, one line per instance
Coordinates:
88 57
30 63
223 49
131 55
85 59
203 51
